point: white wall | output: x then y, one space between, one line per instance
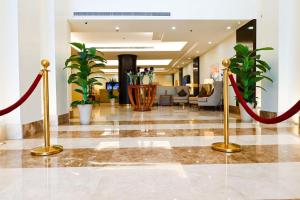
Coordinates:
188 70
190 9
176 78
288 54
214 57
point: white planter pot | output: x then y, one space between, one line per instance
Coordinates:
112 101
85 113
244 115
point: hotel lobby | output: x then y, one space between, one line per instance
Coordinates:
155 100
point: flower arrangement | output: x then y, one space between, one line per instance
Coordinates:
139 76
150 74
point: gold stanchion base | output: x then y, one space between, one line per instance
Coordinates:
46 151
230 148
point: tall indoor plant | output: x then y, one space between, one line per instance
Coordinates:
84 74
249 68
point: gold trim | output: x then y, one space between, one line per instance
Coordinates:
229 148
46 151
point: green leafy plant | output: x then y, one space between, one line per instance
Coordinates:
112 83
84 71
250 69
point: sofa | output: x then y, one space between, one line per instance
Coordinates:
172 90
213 99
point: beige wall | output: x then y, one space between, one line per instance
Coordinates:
163 79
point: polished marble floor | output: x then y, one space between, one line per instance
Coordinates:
164 154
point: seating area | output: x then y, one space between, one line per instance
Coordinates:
177 94
210 95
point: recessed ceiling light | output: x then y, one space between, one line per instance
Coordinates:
173 27
197 51
228 27
210 42
250 27
117 28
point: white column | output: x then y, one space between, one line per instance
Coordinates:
29 58
267 36
47 45
55 38
62 52
289 52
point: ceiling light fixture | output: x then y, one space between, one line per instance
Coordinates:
228 27
173 27
197 51
117 28
210 42
154 62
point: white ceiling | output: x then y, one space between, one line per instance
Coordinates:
153 39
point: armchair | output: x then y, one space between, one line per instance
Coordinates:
181 99
215 98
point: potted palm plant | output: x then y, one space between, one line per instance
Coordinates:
249 68
84 74
110 91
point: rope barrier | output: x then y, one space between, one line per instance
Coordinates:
293 110
24 97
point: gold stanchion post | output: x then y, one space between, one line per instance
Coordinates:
46 149
226 146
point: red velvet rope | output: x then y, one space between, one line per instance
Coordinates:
24 97
293 110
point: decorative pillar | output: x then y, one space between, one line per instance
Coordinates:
127 62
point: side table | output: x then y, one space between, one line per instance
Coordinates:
165 100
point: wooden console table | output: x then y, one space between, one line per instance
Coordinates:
142 96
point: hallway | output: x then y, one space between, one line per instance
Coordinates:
141 155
